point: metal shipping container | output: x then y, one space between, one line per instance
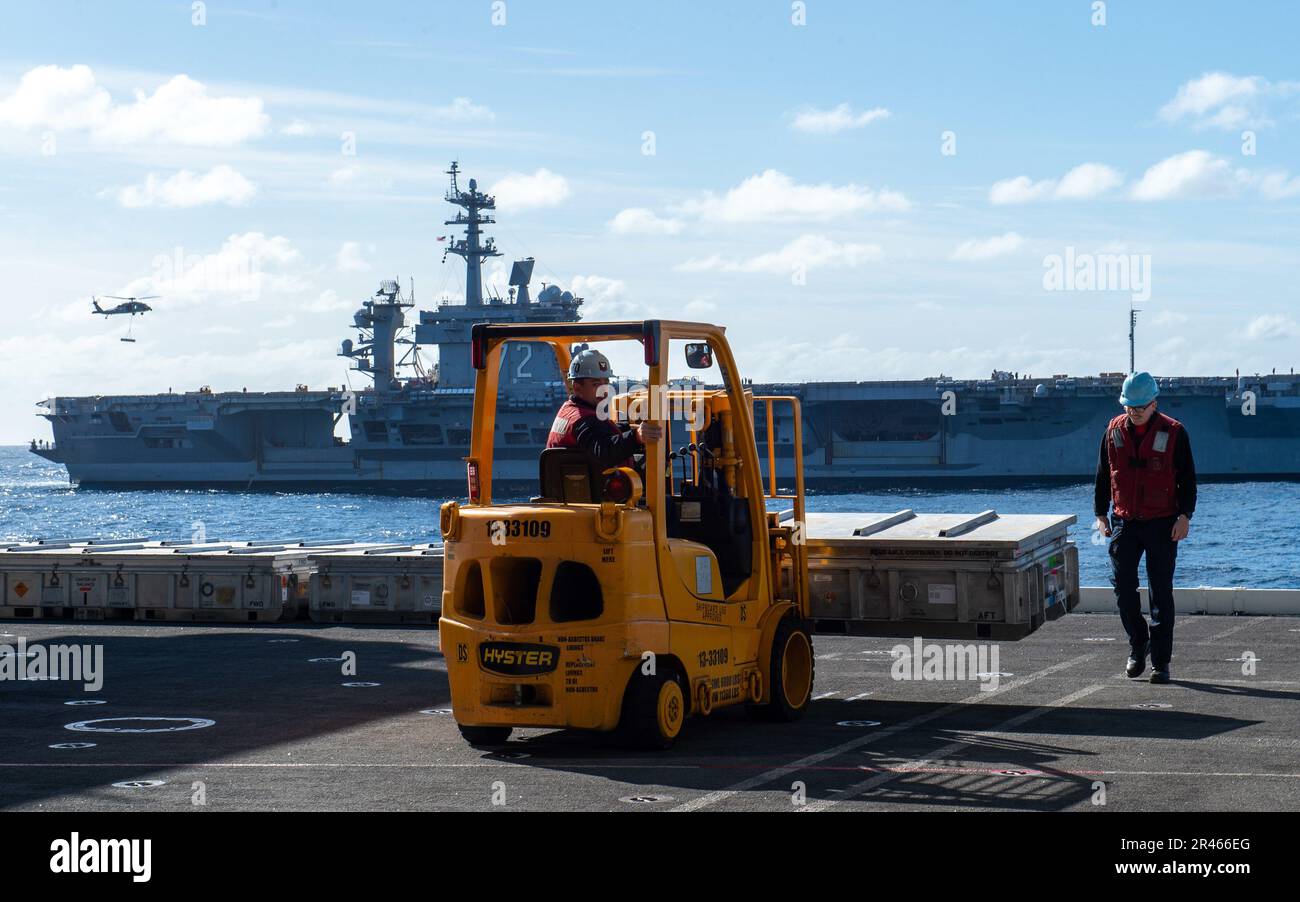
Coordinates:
210 581
377 584
985 576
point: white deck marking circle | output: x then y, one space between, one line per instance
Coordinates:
140 784
96 726
777 773
74 745
86 701
360 685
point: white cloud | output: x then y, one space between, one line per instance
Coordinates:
328 301
343 176
463 110
605 298
356 177
1225 101
1168 318
298 129
988 248
178 112
805 252
640 221
518 191
1087 180
1169 347
774 196
1278 185
834 121
1194 173
1084 181
56 98
220 185
350 259
247 266
1191 174
1020 190
1271 327
701 306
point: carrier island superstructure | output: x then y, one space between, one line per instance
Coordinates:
410 430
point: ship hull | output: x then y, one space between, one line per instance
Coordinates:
854 434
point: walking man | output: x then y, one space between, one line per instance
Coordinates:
1146 481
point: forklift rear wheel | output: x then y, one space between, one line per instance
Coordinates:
654 709
792 669
485 736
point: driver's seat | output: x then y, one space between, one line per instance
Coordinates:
569 476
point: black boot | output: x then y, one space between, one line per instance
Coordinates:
1137 661
1160 674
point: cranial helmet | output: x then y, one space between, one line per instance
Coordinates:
590 364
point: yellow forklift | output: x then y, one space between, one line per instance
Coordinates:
632 597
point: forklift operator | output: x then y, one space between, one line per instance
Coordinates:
579 423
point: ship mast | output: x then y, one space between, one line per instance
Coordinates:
1132 339
469 247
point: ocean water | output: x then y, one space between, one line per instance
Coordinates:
1245 534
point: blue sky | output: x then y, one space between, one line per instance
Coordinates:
798 190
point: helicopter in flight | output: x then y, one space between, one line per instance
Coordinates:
130 306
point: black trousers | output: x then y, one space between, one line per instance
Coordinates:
1129 540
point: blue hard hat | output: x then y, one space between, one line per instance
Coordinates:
1139 390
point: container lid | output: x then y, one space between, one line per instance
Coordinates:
873 532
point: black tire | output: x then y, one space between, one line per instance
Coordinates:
651 705
485 736
788 702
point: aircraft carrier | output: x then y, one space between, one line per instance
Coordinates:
409 431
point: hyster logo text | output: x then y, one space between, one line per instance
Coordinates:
517 659
103 856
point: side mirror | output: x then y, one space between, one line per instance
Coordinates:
699 356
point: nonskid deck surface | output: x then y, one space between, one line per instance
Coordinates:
1064 731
